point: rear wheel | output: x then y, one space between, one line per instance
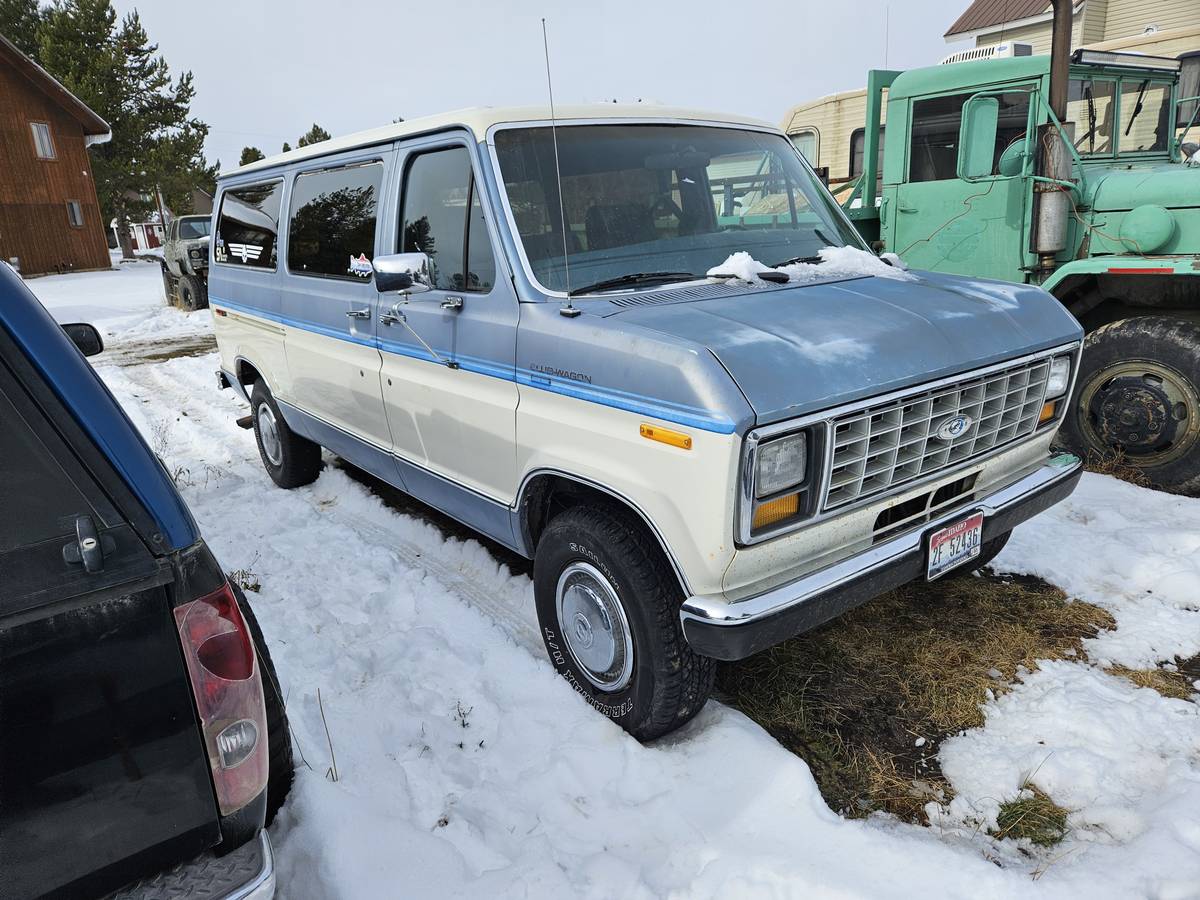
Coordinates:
290 460
1138 395
608 607
281 769
192 293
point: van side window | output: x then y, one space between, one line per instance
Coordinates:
332 227
442 217
248 227
933 152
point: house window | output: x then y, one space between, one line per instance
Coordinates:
75 213
806 142
43 143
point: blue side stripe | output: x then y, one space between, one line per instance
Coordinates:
667 410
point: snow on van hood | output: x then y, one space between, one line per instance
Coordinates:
802 348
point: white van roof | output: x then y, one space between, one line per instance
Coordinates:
479 119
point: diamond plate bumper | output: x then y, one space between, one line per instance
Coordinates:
248 873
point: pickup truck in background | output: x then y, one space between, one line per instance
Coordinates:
955 188
185 262
142 732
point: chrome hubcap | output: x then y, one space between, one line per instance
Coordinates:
593 622
268 434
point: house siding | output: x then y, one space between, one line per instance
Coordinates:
1127 18
34 224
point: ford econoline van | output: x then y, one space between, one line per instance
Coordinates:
645 349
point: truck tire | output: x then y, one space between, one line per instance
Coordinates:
608 607
1138 394
168 285
193 294
281 768
291 460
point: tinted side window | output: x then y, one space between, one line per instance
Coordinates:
39 500
933 154
443 218
332 228
248 227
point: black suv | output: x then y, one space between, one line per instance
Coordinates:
142 733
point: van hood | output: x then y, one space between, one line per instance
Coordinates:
1171 185
804 348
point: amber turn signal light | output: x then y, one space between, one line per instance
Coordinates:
667 436
776 511
1048 410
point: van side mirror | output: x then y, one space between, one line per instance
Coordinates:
407 272
85 337
977 137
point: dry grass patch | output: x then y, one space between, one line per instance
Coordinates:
1033 816
1175 684
867 698
1116 465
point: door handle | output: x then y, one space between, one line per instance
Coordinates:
906 209
388 319
359 313
455 303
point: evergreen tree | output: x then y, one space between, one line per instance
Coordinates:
249 155
157 145
286 147
314 135
19 21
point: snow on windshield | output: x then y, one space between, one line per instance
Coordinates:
836 262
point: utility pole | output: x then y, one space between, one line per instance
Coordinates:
1053 203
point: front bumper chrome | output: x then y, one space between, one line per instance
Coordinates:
729 630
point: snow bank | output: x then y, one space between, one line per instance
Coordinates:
836 262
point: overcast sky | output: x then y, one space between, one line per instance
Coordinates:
267 69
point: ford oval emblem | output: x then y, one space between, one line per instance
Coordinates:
954 428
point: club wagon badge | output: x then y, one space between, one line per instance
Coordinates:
954 427
360 265
245 252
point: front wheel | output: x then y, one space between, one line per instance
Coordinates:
192 293
608 607
1138 395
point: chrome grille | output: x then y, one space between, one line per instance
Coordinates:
883 447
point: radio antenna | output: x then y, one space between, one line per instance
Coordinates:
569 310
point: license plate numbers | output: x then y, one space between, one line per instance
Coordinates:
954 545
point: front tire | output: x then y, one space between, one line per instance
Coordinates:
291 460
1138 395
608 607
192 293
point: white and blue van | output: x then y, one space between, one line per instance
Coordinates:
644 348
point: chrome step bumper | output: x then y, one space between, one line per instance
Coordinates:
729 630
248 873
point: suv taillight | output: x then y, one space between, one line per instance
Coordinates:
229 696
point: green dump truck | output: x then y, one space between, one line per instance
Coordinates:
960 192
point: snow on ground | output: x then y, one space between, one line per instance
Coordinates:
465 766
125 303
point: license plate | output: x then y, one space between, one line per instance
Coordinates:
954 545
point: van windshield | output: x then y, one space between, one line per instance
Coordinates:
667 199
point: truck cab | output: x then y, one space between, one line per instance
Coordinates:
960 188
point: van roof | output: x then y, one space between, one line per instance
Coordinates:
479 119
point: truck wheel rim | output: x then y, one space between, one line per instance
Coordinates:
268 433
593 621
1144 409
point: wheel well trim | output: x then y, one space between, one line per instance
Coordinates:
519 514
237 365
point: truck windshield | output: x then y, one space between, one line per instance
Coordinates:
193 228
1145 119
648 204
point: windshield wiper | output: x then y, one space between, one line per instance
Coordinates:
795 260
633 278
1137 107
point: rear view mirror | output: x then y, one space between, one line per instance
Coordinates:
402 272
977 137
85 337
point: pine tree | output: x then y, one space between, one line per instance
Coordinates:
286 147
157 145
314 135
249 155
19 21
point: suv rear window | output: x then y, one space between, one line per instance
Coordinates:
332 228
248 226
